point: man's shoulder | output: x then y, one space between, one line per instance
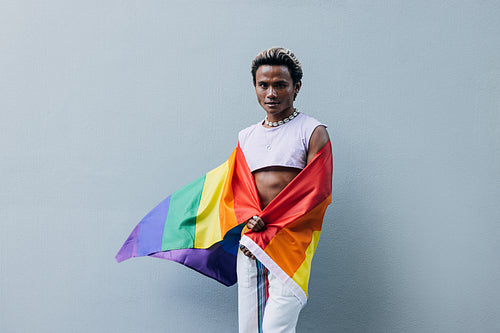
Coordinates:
250 128
246 131
308 123
308 119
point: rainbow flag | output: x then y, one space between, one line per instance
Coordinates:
202 224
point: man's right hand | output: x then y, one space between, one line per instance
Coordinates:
256 224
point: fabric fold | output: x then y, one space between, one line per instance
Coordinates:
201 224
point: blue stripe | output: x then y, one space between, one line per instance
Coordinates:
261 292
151 229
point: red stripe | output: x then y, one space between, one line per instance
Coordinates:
306 191
246 198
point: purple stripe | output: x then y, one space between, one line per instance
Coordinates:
261 292
129 248
151 230
214 262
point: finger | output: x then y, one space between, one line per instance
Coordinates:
253 221
261 223
257 228
249 254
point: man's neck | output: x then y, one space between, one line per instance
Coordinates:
280 116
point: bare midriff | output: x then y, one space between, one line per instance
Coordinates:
270 181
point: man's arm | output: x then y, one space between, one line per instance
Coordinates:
318 140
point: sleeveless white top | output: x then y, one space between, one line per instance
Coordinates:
285 145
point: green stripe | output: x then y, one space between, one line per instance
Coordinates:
180 224
261 293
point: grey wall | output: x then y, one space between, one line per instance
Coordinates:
109 106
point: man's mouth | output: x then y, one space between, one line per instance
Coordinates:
272 103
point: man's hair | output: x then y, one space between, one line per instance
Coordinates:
281 57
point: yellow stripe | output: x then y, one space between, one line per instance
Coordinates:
207 221
301 276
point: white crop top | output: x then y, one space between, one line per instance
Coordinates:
285 145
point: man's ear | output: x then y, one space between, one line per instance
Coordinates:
297 89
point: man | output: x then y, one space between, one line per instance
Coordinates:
259 199
276 150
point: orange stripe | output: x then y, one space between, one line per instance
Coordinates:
227 216
288 247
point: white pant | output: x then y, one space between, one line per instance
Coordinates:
281 311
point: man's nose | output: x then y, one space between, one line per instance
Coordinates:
271 92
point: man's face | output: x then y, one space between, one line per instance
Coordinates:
275 90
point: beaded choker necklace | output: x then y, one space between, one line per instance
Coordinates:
281 122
